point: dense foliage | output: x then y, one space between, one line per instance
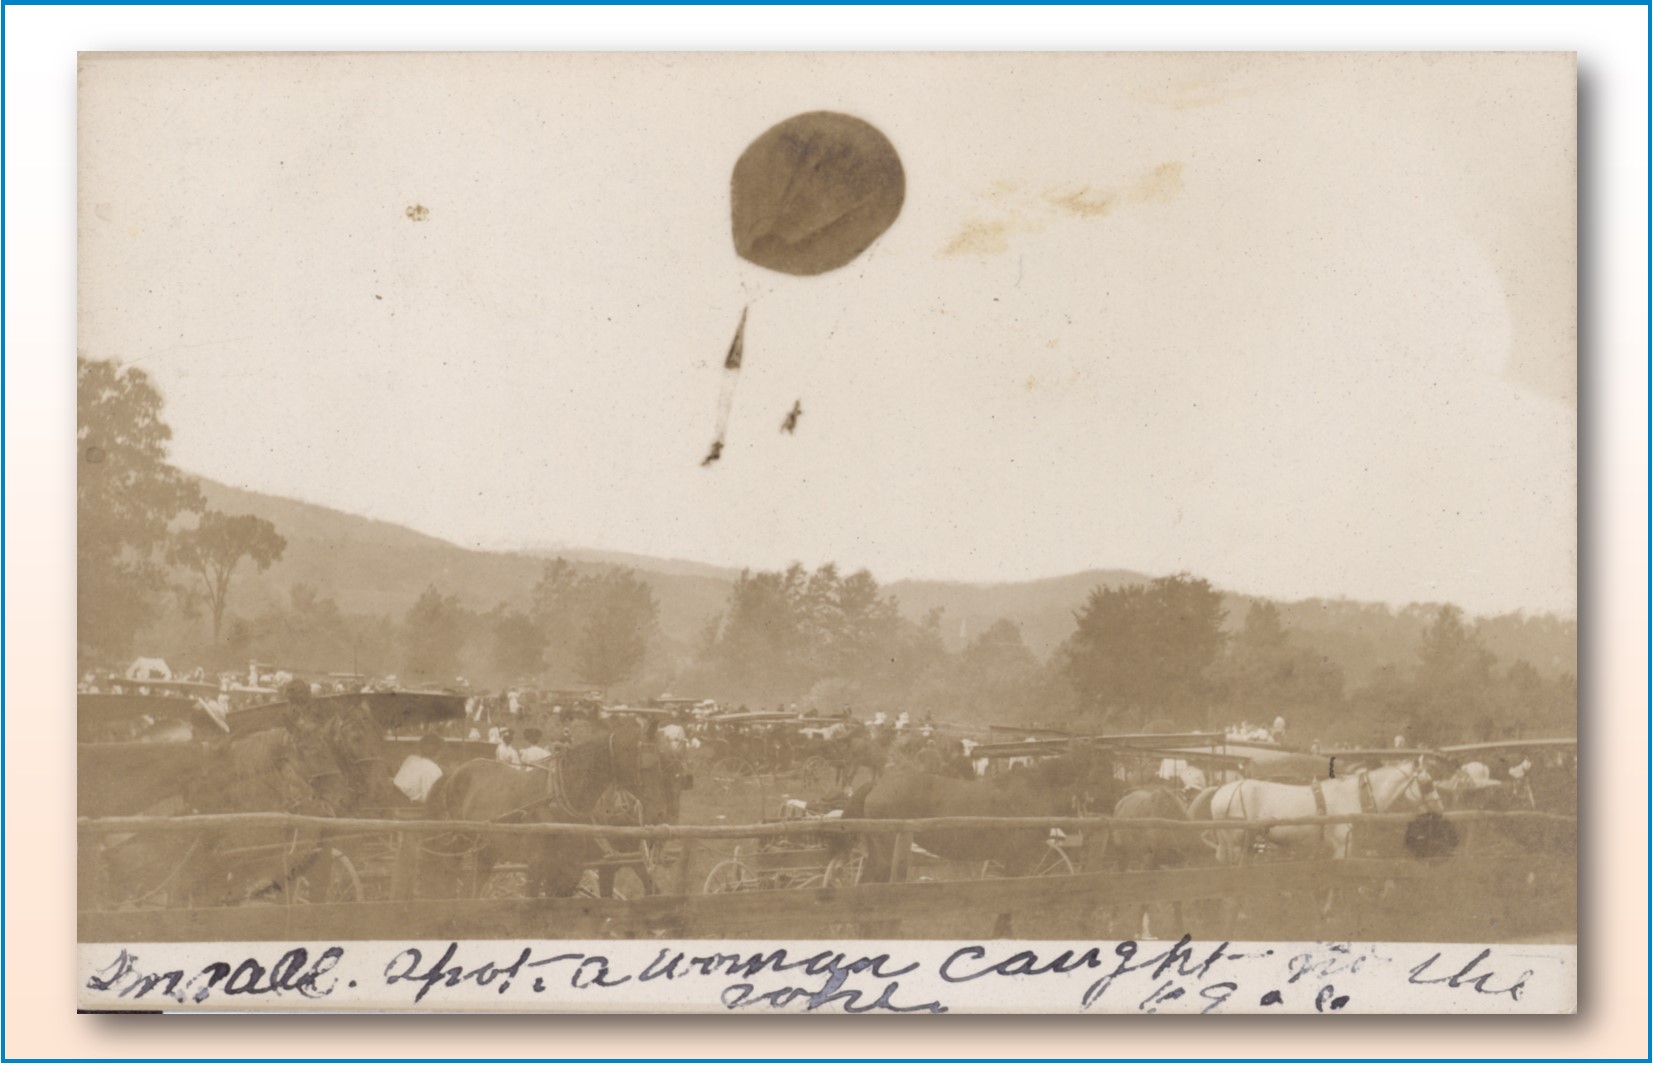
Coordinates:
1172 653
129 501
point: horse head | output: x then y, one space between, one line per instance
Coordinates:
642 764
1080 779
663 776
357 742
263 771
1414 789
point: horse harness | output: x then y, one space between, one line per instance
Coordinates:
556 792
1368 800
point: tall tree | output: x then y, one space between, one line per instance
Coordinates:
1263 630
1523 700
1143 651
517 644
623 616
1455 695
762 644
216 546
126 496
998 676
557 607
309 631
873 626
1265 673
434 632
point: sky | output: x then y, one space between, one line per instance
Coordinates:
1303 324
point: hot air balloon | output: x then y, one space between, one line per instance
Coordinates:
807 197
813 192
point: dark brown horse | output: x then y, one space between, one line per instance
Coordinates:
1150 848
358 744
1144 849
928 759
340 750
267 771
854 751
318 760
1054 787
617 779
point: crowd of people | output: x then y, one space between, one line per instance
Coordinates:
526 728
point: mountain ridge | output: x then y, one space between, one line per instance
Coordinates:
378 568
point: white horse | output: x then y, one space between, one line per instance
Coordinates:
1393 788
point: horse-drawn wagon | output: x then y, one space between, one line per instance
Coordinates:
162 756
789 861
738 745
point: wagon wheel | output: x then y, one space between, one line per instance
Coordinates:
617 805
344 884
731 767
731 876
1055 862
844 870
817 771
165 882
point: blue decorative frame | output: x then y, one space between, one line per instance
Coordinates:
4 1058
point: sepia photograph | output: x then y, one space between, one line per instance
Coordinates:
827 532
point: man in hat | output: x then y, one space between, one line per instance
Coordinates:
505 752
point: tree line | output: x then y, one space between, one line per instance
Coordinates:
1154 657
580 630
1171 654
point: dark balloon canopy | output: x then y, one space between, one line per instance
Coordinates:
813 192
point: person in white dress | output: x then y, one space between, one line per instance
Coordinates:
506 752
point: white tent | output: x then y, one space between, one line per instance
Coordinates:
146 668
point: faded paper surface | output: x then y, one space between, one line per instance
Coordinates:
1303 325
1281 299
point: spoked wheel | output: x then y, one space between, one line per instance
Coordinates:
142 881
731 768
1055 862
817 771
634 879
343 883
447 865
730 876
618 806
844 870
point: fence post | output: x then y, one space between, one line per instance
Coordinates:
901 857
404 876
86 875
689 866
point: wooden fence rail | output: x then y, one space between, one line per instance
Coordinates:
1481 893
207 822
